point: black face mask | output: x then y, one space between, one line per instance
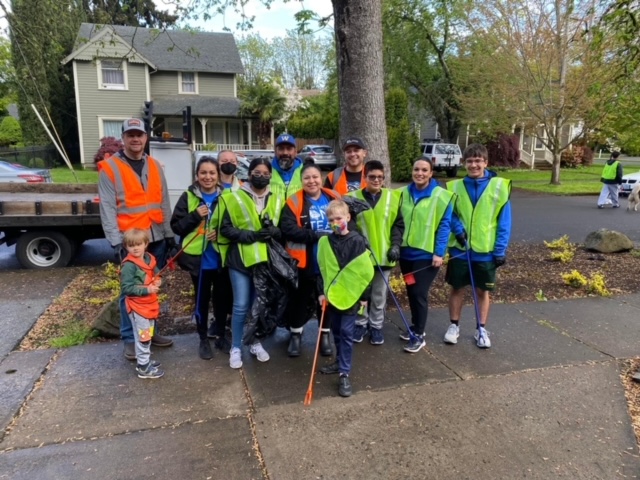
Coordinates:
228 168
259 182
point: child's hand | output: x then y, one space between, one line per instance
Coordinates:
157 281
153 288
322 299
203 211
437 261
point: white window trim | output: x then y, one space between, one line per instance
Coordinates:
535 140
101 119
195 77
102 86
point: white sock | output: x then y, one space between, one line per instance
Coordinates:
296 330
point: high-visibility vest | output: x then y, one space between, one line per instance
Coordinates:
244 215
375 224
481 221
278 187
343 287
196 247
296 204
609 172
146 306
235 185
338 180
137 207
421 219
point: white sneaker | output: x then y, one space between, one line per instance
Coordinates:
257 350
235 358
482 338
453 332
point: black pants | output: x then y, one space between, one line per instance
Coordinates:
303 302
215 284
418 293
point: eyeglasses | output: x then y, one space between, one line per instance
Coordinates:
258 175
375 177
471 162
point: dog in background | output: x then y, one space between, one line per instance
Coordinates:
634 198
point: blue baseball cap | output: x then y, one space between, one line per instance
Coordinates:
285 138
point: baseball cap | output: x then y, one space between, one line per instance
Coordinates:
285 138
133 124
354 141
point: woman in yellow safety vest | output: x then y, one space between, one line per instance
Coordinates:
200 257
250 217
426 210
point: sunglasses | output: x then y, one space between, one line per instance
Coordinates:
375 177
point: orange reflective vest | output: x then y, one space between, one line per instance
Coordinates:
137 207
146 306
338 180
296 204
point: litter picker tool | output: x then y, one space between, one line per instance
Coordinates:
473 287
309 396
171 261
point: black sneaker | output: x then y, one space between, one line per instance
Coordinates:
330 369
223 344
212 332
204 350
344 386
404 336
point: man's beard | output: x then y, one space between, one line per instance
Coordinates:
285 162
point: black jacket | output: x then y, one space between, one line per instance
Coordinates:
346 248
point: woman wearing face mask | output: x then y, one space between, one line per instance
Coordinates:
243 214
200 257
303 223
228 168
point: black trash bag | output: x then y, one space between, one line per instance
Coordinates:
284 267
356 206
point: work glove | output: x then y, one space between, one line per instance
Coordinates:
499 261
119 252
172 247
264 234
461 238
393 255
274 232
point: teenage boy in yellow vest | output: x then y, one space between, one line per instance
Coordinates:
382 225
285 177
481 221
345 278
611 178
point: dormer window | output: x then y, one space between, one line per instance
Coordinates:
188 82
112 74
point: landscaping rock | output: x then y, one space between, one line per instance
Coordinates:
608 241
108 320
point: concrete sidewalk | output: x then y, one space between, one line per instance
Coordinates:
546 401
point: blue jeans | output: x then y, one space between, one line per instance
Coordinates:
343 327
243 294
159 250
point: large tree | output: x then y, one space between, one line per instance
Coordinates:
138 13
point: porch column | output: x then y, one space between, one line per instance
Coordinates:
203 123
249 132
273 137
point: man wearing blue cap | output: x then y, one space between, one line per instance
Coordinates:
285 177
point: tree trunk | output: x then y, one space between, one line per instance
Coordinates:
358 29
555 169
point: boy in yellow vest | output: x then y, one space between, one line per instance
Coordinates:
481 222
346 272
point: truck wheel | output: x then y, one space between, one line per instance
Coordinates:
452 172
44 249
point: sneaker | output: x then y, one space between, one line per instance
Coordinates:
376 337
212 331
129 351
600 206
223 344
204 350
330 369
415 345
344 386
482 338
359 333
154 364
616 206
149 372
453 332
257 350
235 359
404 336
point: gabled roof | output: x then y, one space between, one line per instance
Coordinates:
172 105
172 50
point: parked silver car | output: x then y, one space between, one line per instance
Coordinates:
16 173
322 155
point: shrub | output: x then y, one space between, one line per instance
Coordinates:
579 155
504 151
403 143
10 131
37 163
574 279
108 145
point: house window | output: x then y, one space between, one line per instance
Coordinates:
234 132
540 136
174 127
113 74
188 82
216 132
112 128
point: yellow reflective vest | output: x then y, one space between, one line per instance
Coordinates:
421 219
278 187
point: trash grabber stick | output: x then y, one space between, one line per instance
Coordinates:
473 287
199 320
309 396
412 335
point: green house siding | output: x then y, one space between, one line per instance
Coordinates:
164 83
215 84
115 104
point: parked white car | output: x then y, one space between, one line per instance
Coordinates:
444 156
628 182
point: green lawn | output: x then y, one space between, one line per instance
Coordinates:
64 175
573 181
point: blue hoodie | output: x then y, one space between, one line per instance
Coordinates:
475 188
286 175
442 233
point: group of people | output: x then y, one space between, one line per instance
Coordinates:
345 234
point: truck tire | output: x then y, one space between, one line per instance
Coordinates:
44 249
452 172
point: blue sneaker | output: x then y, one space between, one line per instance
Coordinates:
376 336
359 333
415 344
149 372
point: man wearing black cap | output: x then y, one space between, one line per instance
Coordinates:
285 177
133 194
350 177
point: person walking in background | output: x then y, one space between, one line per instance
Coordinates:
133 194
285 178
481 223
351 176
611 178
383 227
426 211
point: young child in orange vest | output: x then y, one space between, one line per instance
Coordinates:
140 284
